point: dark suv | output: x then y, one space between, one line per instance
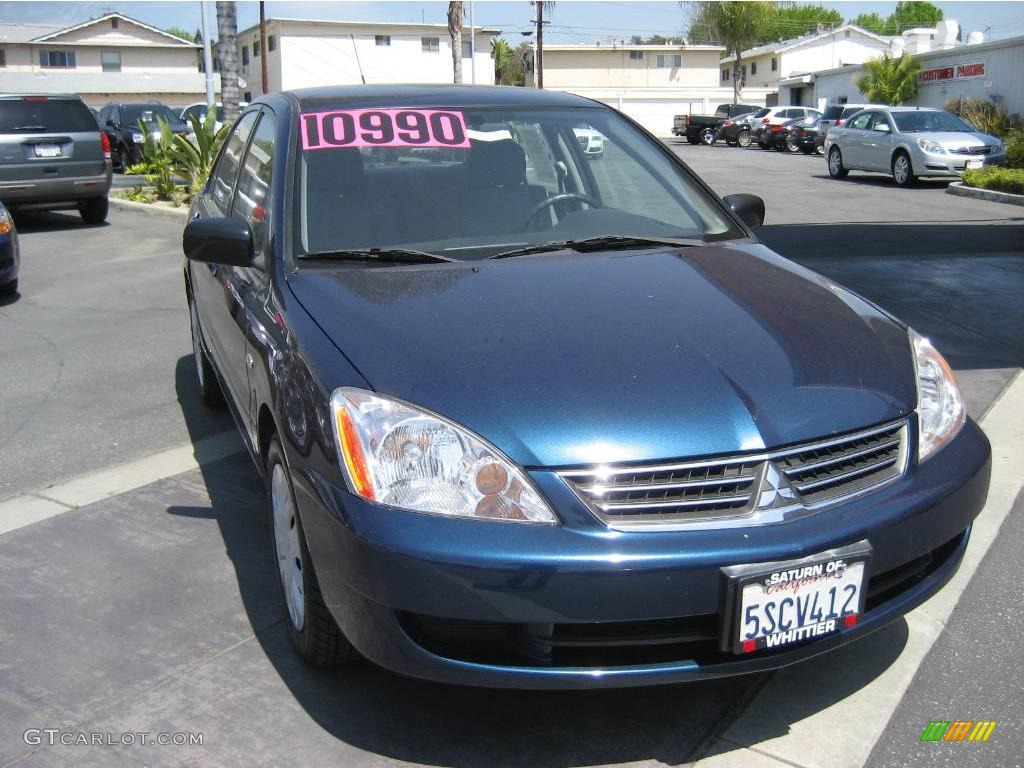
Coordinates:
53 155
121 124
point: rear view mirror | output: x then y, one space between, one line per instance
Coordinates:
219 241
750 208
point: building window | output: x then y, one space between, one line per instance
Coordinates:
847 33
725 74
382 41
467 50
753 68
247 96
57 59
256 49
636 55
670 60
3 58
110 61
271 42
431 44
245 55
113 23
775 64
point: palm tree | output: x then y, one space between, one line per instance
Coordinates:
227 51
888 80
501 54
456 15
737 26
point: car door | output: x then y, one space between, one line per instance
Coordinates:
216 285
878 143
854 140
253 201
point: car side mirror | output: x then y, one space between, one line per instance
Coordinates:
219 241
750 208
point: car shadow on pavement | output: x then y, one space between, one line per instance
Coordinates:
367 708
28 222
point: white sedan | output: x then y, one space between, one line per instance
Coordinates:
591 141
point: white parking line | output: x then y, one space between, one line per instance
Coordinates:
841 734
57 499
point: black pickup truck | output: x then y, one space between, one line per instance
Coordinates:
703 129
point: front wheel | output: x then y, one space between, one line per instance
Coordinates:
708 137
902 170
743 139
791 144
311 627
94 210
835 164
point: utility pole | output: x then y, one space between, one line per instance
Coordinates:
540 45
207 55
263 48
472 45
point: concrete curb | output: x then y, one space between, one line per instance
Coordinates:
841 734
178 214
958 188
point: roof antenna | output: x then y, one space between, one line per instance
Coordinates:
358 63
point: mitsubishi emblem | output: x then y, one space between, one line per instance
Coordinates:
775 489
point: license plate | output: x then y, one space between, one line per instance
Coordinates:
771 605
975 163
47 150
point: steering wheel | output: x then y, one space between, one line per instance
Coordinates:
555 200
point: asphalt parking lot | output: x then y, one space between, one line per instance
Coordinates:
156 610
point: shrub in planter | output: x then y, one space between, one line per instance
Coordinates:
998 179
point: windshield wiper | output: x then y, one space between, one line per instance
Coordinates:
393 255
29 128
602 243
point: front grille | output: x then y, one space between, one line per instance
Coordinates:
984 150
744 486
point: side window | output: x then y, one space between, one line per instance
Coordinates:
860 122
227 169
252 196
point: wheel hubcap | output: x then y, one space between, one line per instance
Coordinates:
286 542
196 348
901 169
833 162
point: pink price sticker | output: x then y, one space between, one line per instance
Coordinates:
383 128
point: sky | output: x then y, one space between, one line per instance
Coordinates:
571 22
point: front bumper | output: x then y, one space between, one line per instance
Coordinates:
579 605
932 164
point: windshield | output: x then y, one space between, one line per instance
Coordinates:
470 183
148 113
915 122
42 115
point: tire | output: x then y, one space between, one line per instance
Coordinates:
209 387
791 145
743 139
94 210
9 289
311 628
708 137
835 164
903 170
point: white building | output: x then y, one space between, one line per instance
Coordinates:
306 53
784 67
993 71
650 83
111 58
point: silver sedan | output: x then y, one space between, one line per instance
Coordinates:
908 142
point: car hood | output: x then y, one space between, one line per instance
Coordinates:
567 359
956 138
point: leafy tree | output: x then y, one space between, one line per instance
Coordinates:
889 81
736 25
912 14
179 32
501 55
795 20
872 22
192 157
456 15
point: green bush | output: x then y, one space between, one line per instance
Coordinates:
193 156
157 162
1015 148
996 178
984 115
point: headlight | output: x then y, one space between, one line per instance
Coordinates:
931 146
940 407
137 137
394 453
5 222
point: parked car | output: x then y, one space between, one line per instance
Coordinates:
496 451
778 116
9 254
908 142
123 124
837 114
591 141
809 136
53 155
737 131
703 129
784 137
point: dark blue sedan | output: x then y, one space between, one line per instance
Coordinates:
527 420
9 256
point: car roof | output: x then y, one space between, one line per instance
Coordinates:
361 96
50 96
912 109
